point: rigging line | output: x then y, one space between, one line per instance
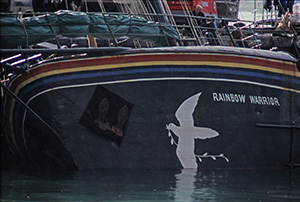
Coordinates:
192 22
135 6
136 44
101 5
28 108
143 9
149 16
124 7
152 10
52 30
67 6
171 17
86 6
121 7
25 31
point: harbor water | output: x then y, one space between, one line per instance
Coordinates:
152 185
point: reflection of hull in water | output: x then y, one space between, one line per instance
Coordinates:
161 185
112 112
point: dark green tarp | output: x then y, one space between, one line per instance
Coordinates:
33 30
11 32
38 29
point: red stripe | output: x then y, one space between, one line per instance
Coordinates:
169 57
123 59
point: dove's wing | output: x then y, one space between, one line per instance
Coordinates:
184 113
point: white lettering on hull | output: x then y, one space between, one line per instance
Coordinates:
229 97
263 100
242 98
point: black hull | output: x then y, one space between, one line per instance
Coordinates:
121 121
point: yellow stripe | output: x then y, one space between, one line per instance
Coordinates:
152 63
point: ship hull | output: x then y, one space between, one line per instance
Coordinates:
162 109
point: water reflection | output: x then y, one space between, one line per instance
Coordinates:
193 185
185 185
148 185
238 185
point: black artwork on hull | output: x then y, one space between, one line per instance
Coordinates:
106 115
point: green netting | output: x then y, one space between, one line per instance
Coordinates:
32 30
98 25
73 23
40 28
12 32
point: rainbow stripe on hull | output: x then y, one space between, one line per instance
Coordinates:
236 91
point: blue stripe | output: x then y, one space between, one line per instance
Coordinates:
114 72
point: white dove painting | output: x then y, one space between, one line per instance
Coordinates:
187 132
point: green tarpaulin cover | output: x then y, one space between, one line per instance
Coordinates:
32 30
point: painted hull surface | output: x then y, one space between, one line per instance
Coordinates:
166 108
